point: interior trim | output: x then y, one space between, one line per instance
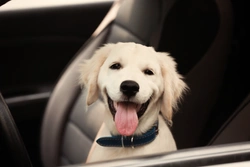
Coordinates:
229 132
26 98
235 164
210 155
30 4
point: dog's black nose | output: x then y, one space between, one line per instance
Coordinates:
129 88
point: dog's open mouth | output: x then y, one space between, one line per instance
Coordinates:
126 115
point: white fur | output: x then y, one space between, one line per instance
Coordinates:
164 88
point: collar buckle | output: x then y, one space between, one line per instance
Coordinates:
122 141
132 144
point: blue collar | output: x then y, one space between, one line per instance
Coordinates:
129 141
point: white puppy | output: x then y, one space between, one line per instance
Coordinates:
136 83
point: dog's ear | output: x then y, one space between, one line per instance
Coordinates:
174 86
89 71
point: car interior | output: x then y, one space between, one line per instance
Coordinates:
43 122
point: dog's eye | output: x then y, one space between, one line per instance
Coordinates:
148 72
115 66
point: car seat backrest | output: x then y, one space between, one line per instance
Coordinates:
65 138
68 131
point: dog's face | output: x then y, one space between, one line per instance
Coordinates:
136 83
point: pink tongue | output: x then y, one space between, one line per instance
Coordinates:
126 119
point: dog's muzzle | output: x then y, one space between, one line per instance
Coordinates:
126 112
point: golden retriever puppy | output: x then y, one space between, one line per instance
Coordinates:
137 84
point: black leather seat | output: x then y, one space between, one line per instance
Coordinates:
68 131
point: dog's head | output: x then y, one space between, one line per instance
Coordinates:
136 83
